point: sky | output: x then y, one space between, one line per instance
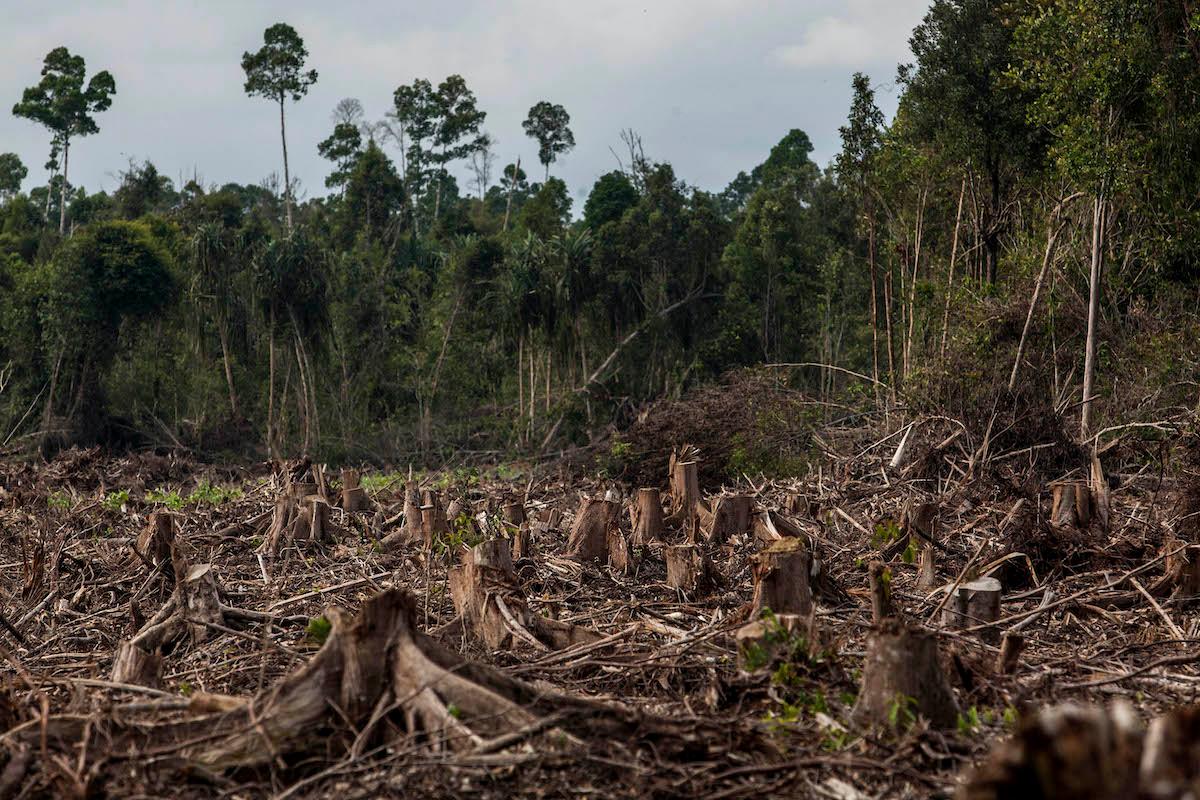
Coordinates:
709 85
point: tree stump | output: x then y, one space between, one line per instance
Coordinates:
354 496
155 540
688 567
433 519
522 542
975 603
1010 653
413 526
620 554
134 665
589 534
685 485
647 517
1071 507
879 579
927 570
486 597
1182 576
781 579
513 513
902 677
731 516
1066 752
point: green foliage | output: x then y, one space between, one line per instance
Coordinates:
549 124
115 500
205 493
318 630
902 712
60 500
276 71
886 533
12 172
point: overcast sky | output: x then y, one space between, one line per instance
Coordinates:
710 85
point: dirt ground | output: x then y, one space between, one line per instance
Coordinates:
650 698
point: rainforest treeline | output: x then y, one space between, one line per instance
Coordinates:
1031 205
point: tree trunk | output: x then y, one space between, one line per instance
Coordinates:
781 575
354 496
62 189
223 334
1089 362
589 533
902 678
953 257
287 178
647 517
688 568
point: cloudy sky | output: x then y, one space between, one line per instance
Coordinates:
709 84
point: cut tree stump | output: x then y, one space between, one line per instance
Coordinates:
975 603
1181 578
879 578
377 680
589 534
730 516
902 677
413 526
513 513
155 540
646 514
522 542
927 571
433 519
354 496
781 579
1073 752
688 567
620 554
301 515
1010 653
684 476
1071 507
134 665
486 596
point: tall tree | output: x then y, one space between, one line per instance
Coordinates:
12 172
861 140
276 72
549 124
957 95
64 105
342 147
457 133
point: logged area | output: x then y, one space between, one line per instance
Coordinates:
871 630
811 410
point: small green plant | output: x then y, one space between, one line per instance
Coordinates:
454 711
886 532
969 722
185 688
318 629
462 534
1010 717
382 481
115 501
209 494
60 500
171 499
902 712
910 553
836 739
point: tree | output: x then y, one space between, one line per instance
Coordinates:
957 95
12 172
549 211
62 104
549 124
276 72
456 134
861 140
110 273
611 196
342 148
